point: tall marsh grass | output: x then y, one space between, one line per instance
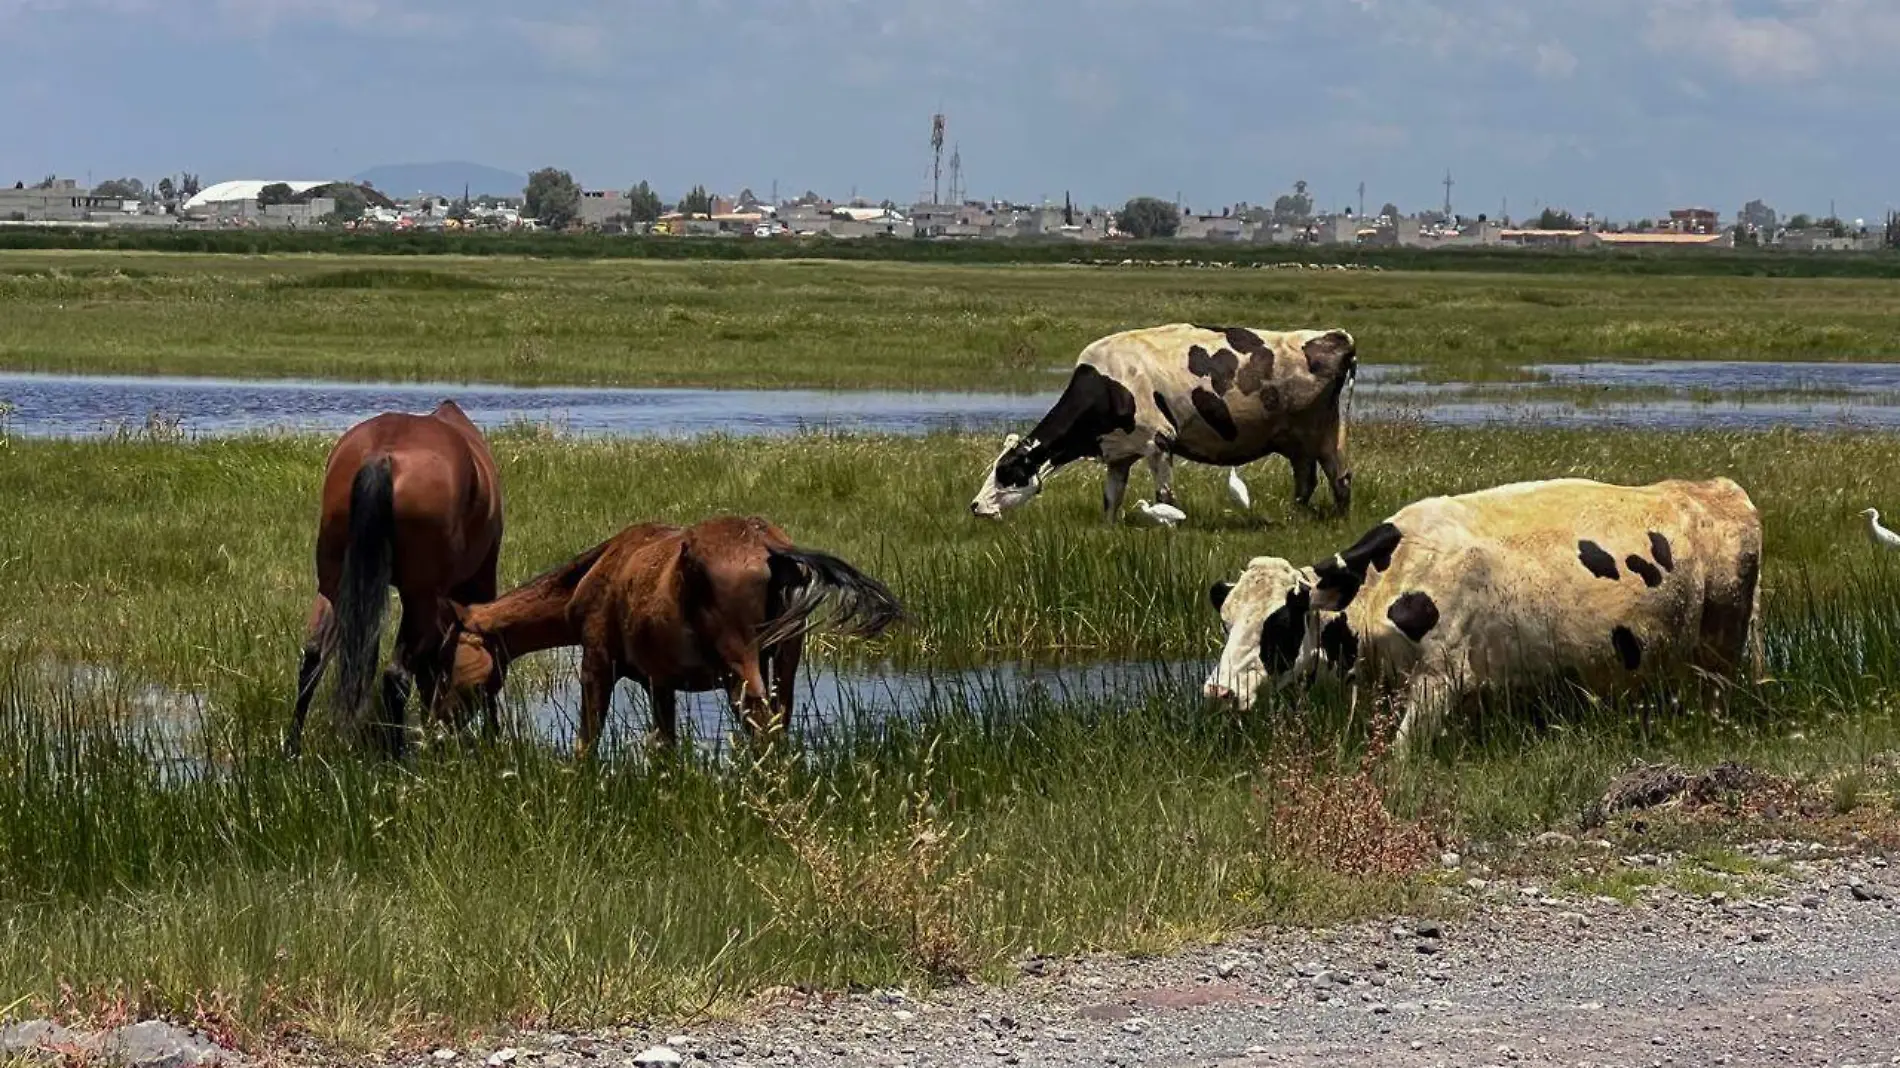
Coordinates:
861 325
161 854
504 883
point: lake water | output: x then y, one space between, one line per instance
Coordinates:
67 406
1731 375
828 700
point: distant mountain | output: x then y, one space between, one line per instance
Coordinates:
447 179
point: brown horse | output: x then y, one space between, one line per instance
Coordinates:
717 605
412 501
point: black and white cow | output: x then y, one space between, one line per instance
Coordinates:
1608 586
1222 395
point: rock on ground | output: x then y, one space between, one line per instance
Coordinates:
149 1044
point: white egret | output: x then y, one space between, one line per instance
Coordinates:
1165 514
1238 488
1879 535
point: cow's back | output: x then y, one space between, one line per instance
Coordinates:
1607 582
1222 391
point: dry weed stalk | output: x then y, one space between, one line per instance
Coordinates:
1343 821
899 888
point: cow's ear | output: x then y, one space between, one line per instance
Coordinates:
1217 594
1011 441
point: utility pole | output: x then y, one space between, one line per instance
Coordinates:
936 158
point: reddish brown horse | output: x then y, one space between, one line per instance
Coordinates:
412 501
721 604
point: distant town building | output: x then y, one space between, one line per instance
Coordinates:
63 201
1694 221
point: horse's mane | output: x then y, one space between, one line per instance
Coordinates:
567 575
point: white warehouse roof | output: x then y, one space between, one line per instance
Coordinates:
225 192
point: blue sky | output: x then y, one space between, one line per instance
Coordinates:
1624 107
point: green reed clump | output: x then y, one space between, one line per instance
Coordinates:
483 884
830 324
191 563
407 280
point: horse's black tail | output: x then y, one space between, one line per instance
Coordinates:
363 593
803 580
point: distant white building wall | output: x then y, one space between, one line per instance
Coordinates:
244 189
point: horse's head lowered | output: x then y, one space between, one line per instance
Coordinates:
474 667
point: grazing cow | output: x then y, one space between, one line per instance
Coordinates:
1222 395
1608 586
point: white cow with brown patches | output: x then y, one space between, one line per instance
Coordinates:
1608 586
1222 395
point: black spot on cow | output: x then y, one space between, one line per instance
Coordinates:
1239 338
1659 548
1376 546
1244 341
1339 643
1285 628
1652 576
1161 405
1219 368
1341 577
1329 354
1414 613
1214 412
1600 563
1629 648
1254 374
1091 405
1217 593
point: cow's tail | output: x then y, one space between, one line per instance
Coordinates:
363 593
1351 372
803 580
1757 640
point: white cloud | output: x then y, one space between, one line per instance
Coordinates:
1555 62
1785 42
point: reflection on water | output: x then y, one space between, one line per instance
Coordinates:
1731 375
69 406
829 700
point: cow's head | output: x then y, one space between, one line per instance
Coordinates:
1013 479
1268 615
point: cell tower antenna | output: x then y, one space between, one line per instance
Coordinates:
1448 194
936 163
956 174
1362 199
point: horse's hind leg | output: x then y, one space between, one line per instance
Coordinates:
316 652
665 703
397 683
784 663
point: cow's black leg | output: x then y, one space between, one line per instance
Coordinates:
1339 477
1305 479
1162 467
1114 487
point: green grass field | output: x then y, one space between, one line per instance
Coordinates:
854 325
488 886
485 887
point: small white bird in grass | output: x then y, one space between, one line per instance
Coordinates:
1238 488
1880 535
1165 514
